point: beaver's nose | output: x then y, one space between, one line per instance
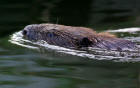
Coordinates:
24 32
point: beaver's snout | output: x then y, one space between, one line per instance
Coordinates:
24 32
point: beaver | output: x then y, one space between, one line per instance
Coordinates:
75 37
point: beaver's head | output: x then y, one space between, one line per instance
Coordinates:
56 34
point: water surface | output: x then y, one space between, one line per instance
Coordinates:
28 67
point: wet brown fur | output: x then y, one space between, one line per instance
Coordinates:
77 36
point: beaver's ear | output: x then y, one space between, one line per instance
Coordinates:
85 42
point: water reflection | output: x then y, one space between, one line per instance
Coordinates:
37 70
98 14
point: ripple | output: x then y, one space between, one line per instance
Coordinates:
131 30
99 54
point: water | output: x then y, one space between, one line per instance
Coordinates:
30 67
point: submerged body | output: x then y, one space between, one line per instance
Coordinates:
75 37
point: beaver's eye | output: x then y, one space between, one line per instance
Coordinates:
50 34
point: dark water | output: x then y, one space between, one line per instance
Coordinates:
22 67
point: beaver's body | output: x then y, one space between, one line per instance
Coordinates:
74 37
